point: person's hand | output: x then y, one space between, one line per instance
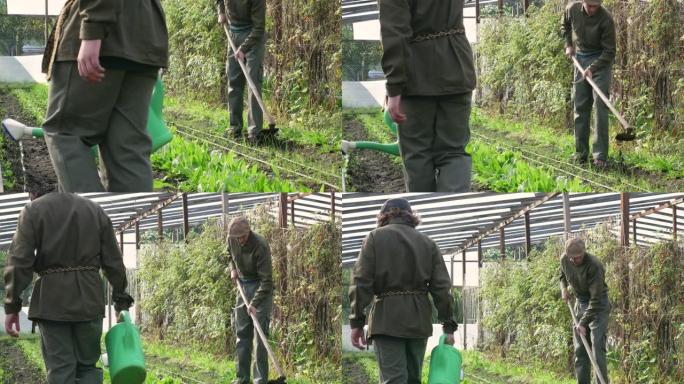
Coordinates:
12 324
239 55
234 276
450 339
565 295
587 73
581 329
569 51
394 108
358 338
251 310
221 18
89 61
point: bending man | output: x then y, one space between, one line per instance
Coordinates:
251 268
247 26
591 28
586 276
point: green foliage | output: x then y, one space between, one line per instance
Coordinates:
523 68
528 321
192 166
188 297
198 50
503 170
522 308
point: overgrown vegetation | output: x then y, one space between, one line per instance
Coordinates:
527 321
188 298
524 73
302 61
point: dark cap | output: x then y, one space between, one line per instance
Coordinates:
399 203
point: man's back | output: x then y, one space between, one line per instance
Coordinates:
66 239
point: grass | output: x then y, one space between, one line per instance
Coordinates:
478 368
314 139
193 166
665 156
165 363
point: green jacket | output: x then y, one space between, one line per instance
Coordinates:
396 269
253 261
246 14
59 231
132 30
433 67
589 284
592 34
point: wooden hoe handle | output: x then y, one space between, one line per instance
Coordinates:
603 97
590 351
250 82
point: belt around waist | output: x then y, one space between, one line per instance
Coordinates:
240 28
249 281
584 55
68 269
407 292
438 35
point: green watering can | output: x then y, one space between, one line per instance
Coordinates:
445 364
124 352
391 148
156 128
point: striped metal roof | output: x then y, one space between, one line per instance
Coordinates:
453 219
122 208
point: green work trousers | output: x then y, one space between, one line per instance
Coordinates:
237 82
400 360
596 336
246 334
71 350
111 114
585 98
432 142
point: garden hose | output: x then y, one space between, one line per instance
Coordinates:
590 352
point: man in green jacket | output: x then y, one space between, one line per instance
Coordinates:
251 268
397 269
586 276
102 61
247 25
66 239
430 74
591 28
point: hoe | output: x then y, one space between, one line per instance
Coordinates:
272 130
628 133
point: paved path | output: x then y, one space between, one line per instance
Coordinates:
21 69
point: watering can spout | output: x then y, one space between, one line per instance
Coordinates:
19 131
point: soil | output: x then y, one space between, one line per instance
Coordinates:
353 372
39 174
16 367
370 171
